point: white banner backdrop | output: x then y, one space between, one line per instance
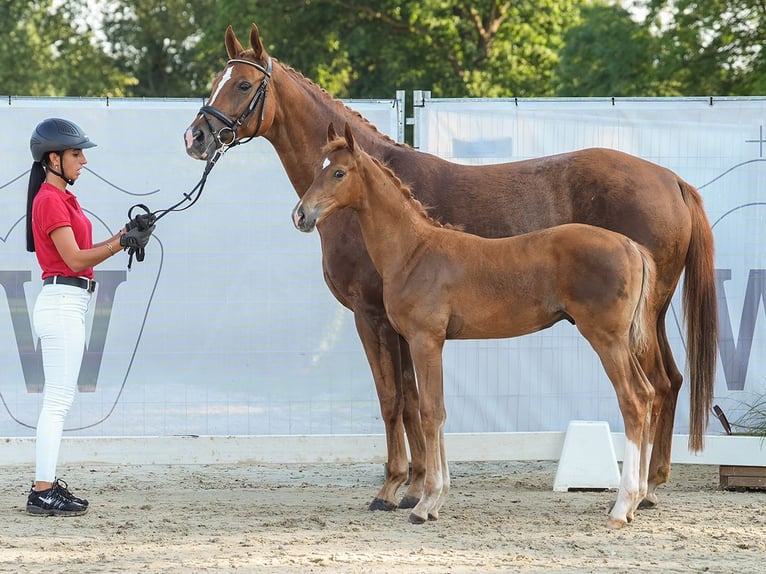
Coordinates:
541 381
228 328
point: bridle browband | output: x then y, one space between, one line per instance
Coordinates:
227 135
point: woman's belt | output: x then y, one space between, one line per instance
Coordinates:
88 284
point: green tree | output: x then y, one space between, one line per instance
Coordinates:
456 48
714 47
155 42
50 50
22 50
610 54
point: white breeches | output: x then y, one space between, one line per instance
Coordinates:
59 320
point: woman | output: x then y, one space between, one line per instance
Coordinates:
61 235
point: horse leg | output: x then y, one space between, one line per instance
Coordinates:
647 438
653 367
413 428
659 467
427 356
381 345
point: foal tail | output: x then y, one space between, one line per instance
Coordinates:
638 327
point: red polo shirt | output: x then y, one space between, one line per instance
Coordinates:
51 209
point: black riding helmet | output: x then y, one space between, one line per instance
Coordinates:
57 135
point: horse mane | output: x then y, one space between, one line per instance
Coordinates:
338 104
315 88
403 188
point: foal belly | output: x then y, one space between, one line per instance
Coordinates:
502 324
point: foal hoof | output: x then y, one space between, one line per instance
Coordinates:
380 504
415 519
408 501
615 523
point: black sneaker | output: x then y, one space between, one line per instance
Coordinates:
52 502
63 489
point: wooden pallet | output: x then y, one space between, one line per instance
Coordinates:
742 477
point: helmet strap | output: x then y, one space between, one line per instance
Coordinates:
59 174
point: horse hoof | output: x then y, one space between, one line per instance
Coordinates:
415 519
615 523
647 503
408 501
380 504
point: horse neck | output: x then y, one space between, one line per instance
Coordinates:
304 111
393 226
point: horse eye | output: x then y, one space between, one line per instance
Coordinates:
245 86
339 173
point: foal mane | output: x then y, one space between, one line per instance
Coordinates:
405 190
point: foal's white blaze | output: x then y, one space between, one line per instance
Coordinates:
226 77
627 496
325 163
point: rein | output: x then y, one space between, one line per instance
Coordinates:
191 197
226 138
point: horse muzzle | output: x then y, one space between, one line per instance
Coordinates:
303 221
198 144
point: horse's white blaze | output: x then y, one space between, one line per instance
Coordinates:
325 163
226 77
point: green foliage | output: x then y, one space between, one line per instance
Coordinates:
362 49
155 42
610 54
753 420
51 51
455 48
714 47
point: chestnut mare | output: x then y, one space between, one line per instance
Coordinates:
440 283
256 95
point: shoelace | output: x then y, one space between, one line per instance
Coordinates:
62 488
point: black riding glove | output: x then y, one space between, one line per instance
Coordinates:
142 221
136 238
139 230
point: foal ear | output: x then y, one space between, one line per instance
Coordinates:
233 46
349 137
255 42
331 135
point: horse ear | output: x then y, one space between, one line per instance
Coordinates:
255 42
349 137
233 46
331 135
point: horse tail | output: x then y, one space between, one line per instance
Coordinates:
700 306
638 326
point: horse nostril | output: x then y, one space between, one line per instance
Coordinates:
298 217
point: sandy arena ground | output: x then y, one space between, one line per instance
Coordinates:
500 517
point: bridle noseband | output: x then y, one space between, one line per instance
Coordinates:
227 135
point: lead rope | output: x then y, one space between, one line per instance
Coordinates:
148 218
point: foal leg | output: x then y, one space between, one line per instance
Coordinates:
434 513
381 345
413 428
634 396
427 356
